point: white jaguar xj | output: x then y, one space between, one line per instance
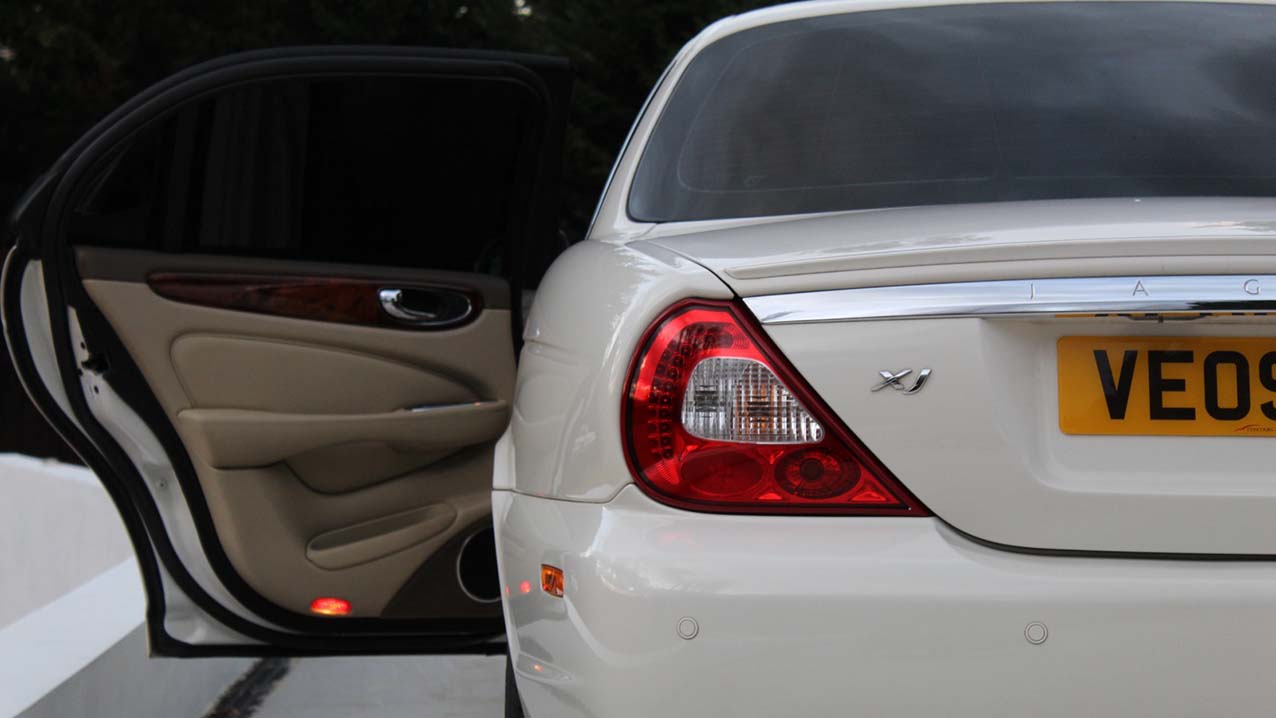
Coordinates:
920 360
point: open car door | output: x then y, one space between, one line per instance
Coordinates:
273 302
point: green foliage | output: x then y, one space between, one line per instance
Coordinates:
74 60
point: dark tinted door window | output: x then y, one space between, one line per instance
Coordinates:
969 104
411 171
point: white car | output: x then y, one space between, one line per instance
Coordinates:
919 361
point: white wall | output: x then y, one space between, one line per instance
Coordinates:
58 529
71 636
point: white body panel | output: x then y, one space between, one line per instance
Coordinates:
590 313
981 446
811 616
183 617
821 616
967 243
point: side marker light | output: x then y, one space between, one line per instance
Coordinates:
552 580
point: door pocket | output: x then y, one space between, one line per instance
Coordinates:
371 540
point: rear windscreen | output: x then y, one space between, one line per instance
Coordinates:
975 103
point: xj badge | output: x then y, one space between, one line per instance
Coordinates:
895 380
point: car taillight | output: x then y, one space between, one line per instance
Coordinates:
715 419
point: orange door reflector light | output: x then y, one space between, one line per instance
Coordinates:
330 606
552 580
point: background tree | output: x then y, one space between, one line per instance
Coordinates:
65 63
72 61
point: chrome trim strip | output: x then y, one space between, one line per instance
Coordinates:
1019 297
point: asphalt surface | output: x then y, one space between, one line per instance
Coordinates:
398 687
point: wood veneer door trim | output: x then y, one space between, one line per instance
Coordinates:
341 300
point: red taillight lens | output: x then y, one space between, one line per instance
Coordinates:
716 420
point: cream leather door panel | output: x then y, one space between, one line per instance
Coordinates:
329 453
370 540
268 301
257 374
238 439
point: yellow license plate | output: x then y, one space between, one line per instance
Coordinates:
1175 386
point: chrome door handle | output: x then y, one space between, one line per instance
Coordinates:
439 307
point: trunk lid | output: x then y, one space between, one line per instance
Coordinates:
983 443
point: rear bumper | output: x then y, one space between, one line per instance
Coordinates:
816 616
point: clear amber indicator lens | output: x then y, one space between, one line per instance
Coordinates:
552 580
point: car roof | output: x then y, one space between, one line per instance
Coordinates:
816 8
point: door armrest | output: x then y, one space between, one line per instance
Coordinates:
237 438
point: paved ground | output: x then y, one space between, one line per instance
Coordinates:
66 569
425 687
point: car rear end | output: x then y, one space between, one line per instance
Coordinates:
923 362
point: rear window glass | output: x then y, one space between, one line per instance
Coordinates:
977 103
